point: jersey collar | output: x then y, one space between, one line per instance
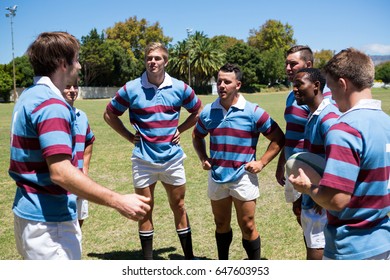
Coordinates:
166 83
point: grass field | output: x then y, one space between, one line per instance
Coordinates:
109 236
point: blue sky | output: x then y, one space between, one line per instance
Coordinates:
327 24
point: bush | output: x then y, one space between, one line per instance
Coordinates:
5 86
202 90
252 88
5 96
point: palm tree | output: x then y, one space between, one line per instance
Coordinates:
205 59
178 61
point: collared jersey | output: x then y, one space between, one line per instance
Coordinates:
317 126
154 113
296 118
84 136
233 136
42 126
358 162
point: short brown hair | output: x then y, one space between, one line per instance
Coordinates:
353 65
305 53
154 46
48 51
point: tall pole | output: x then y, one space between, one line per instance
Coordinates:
189 30
11 14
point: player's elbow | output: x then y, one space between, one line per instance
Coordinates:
339 202
109 117
106 116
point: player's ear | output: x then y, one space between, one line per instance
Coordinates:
343 83
238 85
62 64
317 85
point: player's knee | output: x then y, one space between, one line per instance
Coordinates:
178 207
248 226
222 225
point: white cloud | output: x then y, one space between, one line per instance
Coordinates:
376 49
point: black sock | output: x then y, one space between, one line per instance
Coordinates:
223 244
252 248
186 242
146 238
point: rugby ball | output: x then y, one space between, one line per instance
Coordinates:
313 165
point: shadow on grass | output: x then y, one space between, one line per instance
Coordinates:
137 255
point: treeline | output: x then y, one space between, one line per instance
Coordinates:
115 55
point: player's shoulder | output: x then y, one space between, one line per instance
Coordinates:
133 84
40 98
207 108
179 85
254 108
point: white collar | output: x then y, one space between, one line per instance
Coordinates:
44 80
372 104
325 102
146 84
367 104
240 104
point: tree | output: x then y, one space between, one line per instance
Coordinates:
104 62
249 60
272 39
205 58
24 72
224 42
122 67
134 35
322 57
6 84
179 60
272 35
382 72
91 58
273 66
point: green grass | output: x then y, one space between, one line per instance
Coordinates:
107 235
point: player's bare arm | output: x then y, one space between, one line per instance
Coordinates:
190 121
328 198
187 124
280 169
87 158
64 174
200 149
116 123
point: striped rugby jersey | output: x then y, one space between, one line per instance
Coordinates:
317 126
84 136
296 119
155 113
42 126
358 162
233 136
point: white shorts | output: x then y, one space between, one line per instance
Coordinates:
313 228
82 208
146 173
290 194
47 240
244 189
